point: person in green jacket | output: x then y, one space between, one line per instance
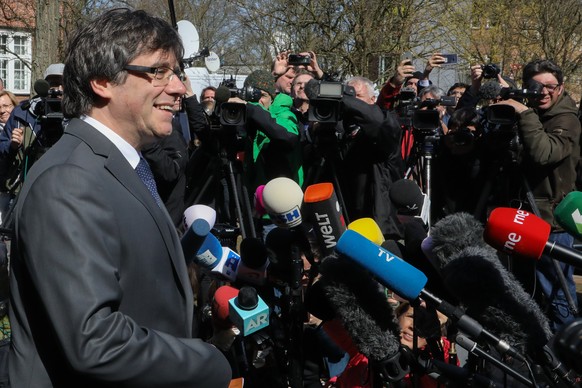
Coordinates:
272 146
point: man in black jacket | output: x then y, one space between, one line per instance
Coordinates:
371 158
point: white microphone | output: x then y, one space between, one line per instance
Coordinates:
198 211
283 198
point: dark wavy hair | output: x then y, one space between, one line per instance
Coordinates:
540 66
100 50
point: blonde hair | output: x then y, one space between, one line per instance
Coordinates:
10 95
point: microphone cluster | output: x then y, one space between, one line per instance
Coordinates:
496 319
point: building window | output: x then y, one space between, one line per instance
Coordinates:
19 74
15 59
3 69
20 45
3 40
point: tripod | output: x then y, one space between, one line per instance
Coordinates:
221 183
326 146
419 163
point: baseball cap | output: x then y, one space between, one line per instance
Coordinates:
54 69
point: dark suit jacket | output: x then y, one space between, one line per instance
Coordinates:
100 292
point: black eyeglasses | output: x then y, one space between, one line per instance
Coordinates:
550 87
162 74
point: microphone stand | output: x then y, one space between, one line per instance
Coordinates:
293 315
472 347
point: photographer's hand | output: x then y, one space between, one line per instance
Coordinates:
16 138
501 81
280 65
237 100
518 106
435 60
476 78
403 71
313 66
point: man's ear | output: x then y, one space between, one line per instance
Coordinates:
101 87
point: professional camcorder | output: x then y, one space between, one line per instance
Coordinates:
326 104
427 121
234 114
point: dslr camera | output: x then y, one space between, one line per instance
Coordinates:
327 106
490 71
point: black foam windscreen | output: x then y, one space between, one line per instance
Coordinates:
41 87
222 94
406 195
312 89
490 90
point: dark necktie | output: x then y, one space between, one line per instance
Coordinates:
145 174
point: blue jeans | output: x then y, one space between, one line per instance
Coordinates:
559 311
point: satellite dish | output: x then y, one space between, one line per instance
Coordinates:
212 62
190 38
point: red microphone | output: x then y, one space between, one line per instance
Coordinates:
523 234
220 306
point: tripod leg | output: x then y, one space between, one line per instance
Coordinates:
236 199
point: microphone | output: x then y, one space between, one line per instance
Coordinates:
520 233
383 264
408 282
220 261
568 213
475 276
248 311
199 211
364 312
253 262
490 90
409 200
194 237
285 262
259 203
451 235
41 87
283 197
220 306
222 94
312 89
368 228
322 209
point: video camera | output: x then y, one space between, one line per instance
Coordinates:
427 121
232 113
325 100
49 111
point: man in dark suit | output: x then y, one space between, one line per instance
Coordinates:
99 289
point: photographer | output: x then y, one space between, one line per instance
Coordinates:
23 129
550 132
25 115
406 76
458 171
371 158
286 66
272 145
483 91
431 94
